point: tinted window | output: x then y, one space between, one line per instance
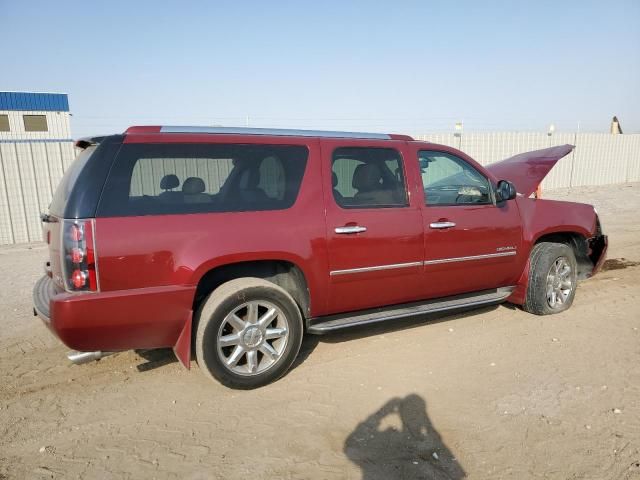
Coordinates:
368 178
68 181
155 179
449 180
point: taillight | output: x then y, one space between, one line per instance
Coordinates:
78 256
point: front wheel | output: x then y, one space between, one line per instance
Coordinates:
249 333
552 279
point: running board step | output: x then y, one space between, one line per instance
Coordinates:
331 323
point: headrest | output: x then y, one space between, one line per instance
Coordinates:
334 179
250 179
169 181
193 185
367 177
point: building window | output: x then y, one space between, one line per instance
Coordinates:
4 123
35 123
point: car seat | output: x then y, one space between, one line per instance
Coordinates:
168 183
367 180
249 190
193 191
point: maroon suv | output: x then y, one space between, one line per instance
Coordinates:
240 241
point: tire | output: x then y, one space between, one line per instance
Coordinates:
551 287
249 332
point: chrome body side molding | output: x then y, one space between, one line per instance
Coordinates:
471 257
420 263
375 268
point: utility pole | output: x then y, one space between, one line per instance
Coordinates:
458 133
573 155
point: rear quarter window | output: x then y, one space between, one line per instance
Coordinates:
158 179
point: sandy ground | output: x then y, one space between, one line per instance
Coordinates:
495 393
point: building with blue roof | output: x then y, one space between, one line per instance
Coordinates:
34 116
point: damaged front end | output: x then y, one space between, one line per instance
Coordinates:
590 252
526 171
597 248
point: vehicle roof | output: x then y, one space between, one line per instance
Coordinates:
285 132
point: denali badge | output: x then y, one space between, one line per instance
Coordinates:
503 249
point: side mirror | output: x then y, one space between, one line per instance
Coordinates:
505 191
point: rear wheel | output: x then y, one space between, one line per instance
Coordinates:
552 279
249 333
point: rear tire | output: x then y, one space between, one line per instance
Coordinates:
249 333
552 279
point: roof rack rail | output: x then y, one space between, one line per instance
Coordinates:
272 131
265 131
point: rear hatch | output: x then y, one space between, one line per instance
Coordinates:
52 222
68 226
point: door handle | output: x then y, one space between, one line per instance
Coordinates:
442 225
350 229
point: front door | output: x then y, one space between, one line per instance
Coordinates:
374 233
471 243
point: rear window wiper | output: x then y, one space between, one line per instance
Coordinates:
46 218
88 142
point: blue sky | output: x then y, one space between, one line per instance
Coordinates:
408 67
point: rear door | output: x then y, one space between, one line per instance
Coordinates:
374 232
471 243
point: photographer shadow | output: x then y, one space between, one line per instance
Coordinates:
399 441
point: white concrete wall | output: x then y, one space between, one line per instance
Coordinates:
598 159
29 174
30 171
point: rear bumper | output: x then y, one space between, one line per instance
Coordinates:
151 317
43 290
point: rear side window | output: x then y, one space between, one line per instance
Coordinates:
157 179
368 178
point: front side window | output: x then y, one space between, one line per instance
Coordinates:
4 123
156 179
368 178
449 180
35 123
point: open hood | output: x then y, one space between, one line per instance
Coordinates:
527 170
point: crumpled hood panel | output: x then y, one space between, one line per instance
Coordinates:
527 170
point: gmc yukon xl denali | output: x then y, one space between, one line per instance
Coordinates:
237 242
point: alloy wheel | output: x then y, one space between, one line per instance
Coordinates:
559 282
252 338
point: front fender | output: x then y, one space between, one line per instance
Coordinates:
547 217
543 217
